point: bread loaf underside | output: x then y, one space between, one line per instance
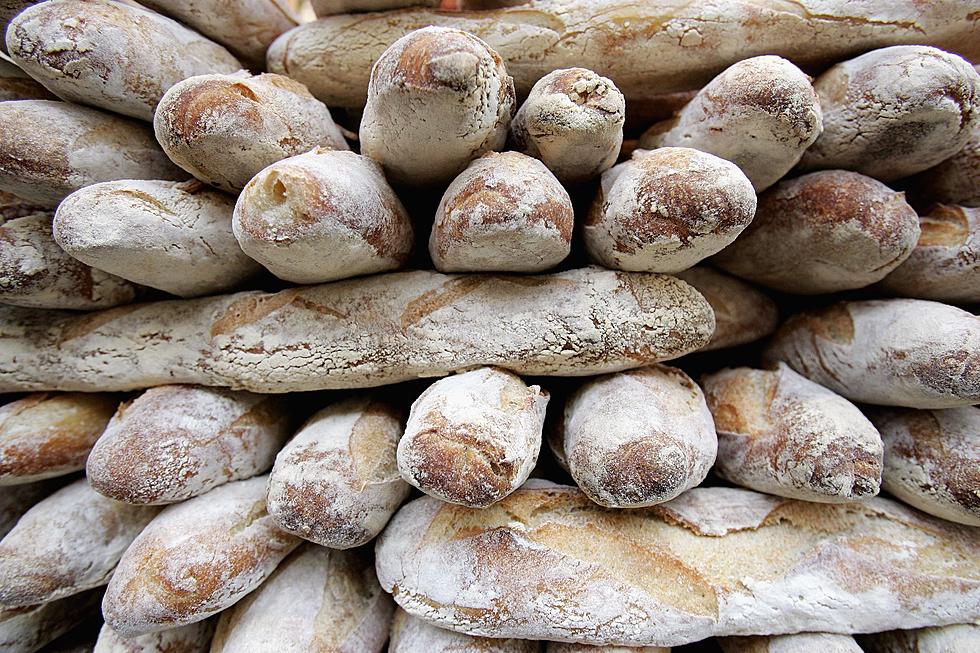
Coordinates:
361 333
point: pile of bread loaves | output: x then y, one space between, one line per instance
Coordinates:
277 376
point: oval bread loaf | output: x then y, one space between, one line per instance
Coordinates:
29 629
954 181
410 634
959 638
192 638
742 313
798 643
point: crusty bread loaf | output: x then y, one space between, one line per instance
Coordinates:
959 638
196 559
638 438
954 181
411 635
760 113
473 438
546 563
46 435
15 84
505 213
296 210
28 629
743 314
573 121
783 434
15 500
666 209
565 647
438 98
50 149
896 111
174 236
336 483
192 638
318 600
223 129
175 442
110 55
898 352
824 232
66 543
799 643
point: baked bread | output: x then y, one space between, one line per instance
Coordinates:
15 84
743 314
954 181
192 638
28 629
565 647
15 500
798 643
410 635
330 7
12 207
960 638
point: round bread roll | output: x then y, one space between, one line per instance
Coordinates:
193 638
664 210
412 635
322 216
573 121
742 313
893 112
824 232
223 129
15 84
798 643
958 638
437 99
505 213
954 181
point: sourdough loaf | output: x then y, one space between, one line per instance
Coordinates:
743 314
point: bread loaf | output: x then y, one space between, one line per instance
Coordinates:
760 113
954 181
664 210
438 98
799 643
196 559
899 352
336 483
223 129
192 638
67 543
742 313
473 438
50 149
785 435
545 563
410 635
47 435
176 442
295 210
573 121
505 213
28 629
824 232
15 500
638 438
318 600
564 647
15 84
960 638
174 236
110 55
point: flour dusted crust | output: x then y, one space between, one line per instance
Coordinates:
192 638
798 643
28 629
318 600
15 500
410 635
743 314
959 638
15 84
565 647
336 482
954 181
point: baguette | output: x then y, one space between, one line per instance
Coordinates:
960 638
15 84
546 563
742 313
29 629
192 638
410 635
954 181
799 643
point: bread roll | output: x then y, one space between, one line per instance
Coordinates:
785 435
932 460
15 500
742 313
192 638
196 559
15 84
664 210
546 563
67 543
410 635
336 483
51 149
573 121
110 55
505 213
318 600
954 181
28 629
760 113
438 98
896 111
638 438
46 435
176 442
174 236
959 638
322 216
899 352
223 129
564 647
799 643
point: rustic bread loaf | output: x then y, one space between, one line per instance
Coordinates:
192 638
898 352
573 121
742 313
223 129
317 600
954 181
760 113
785 435
960 638
196 559
798 643
51 149
565 647
546 563
174 236
28 629
473 438
15 84
15 500
336 483
664 210
410 635
638 438
110 55
322 216
505 213
176 442
438 98
46 435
